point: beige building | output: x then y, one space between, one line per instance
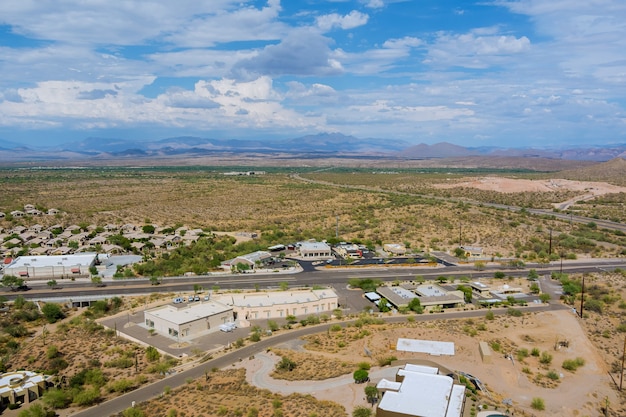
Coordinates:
315 250
186 321
22 387
280 304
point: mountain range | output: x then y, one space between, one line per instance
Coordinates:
321 145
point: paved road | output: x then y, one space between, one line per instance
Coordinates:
148 392
336 277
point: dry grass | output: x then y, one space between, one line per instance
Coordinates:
312 366
202 197
227 393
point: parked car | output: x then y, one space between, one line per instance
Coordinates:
190 299
207 298
196 298
178 300
228 327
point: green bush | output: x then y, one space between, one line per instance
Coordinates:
545 358
360 376
538 404
573 364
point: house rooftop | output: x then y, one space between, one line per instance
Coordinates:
423 394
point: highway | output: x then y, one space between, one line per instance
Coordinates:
327 276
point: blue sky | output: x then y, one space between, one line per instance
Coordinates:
475 73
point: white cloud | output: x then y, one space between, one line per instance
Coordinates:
374 4
351 20
476 49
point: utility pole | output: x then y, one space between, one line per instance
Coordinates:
621 375
337 228
582 297
460 235
550 246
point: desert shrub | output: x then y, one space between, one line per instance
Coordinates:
553 375
361 411
36 410
594 305
87 397
152 354
16 330
522 354
386 361
56 398
52 352
52 312
538 404
122 363
121 385
513 312
535 352
545 358
573 364
335 328
364 365
133 412
286 364
489 315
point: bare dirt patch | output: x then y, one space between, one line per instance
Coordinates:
527 340
588 190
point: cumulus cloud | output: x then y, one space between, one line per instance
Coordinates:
351 20
302 52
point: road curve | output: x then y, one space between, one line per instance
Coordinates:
119 404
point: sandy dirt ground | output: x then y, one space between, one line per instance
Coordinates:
576 394
588 190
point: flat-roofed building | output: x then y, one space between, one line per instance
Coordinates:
434 295
186 321
398 296
315 250
483 290
46 267
420 391
277 304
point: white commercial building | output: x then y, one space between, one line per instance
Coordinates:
185 321
52 267
419 391
315 250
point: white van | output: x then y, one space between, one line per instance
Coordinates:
177 300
